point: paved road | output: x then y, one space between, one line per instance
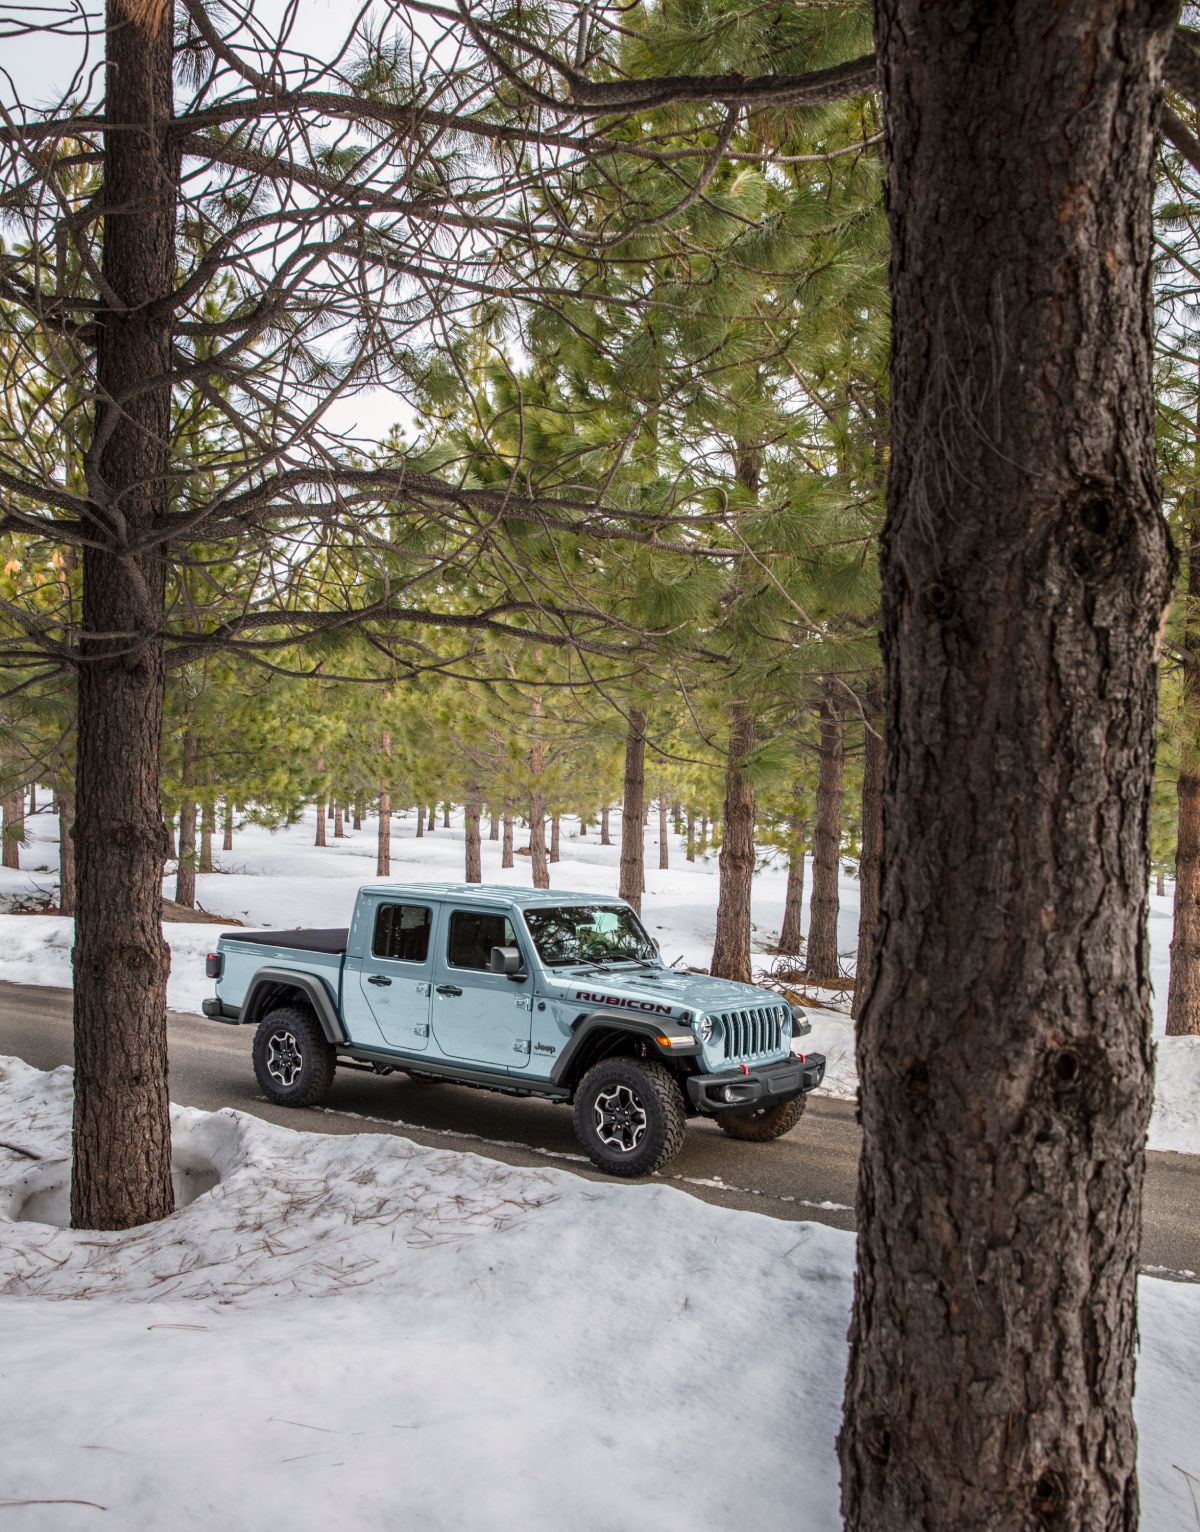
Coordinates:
809 1174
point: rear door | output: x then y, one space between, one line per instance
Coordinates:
480 1016
396 972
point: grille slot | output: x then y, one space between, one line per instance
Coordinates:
751 1034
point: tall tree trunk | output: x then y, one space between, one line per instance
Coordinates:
169 829
358 812
1160 884
506 851
64 794
383 832
12 809
227 838
555 837
33 798
605 836
445 816
870 862
185 872
1183 986
474 851
583 824
691 836
420 820
121 1170
537 838
1004 1048
339 821
821 962
494 825
632 811
431 820
703 843
320 839
664 845
791 933
731 949
206 836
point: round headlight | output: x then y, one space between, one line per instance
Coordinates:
704 1028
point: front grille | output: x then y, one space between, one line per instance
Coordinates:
752 1034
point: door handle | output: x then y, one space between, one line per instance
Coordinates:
378 978
448 989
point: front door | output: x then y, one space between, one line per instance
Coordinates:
478 1015
397 973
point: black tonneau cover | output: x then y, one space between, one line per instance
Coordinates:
309 940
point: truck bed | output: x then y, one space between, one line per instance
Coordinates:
331 939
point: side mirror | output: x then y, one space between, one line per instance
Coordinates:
506 960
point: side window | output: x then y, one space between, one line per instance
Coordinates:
402 931
474 934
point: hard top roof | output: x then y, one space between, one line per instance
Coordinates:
491 893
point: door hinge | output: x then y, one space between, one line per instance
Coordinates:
523 1003
521 1046
422 988
421 1030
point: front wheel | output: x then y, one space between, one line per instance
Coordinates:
765 1123
293 1061
629 1116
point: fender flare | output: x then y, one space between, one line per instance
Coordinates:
645 1028
313 991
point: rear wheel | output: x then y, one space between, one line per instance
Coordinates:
765 1123
293 1062
629 1116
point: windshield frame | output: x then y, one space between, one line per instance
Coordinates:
651 955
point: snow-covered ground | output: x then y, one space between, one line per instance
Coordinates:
281 879
498 1348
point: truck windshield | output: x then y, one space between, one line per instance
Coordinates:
588 933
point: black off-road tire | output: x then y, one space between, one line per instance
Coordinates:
634 1099
768 1122
294 1063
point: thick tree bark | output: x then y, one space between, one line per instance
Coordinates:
12 810
339 821
821 954
870 863
431 820
358 813
1004 1049
185 872
1183 987
121 1170
731 950
420 820
555 837
474 851
445 816
494 825
664 844
506 848
64 795
33 797
320 839
632 878
605 836
791 932
227 837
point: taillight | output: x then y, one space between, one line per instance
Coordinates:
213 964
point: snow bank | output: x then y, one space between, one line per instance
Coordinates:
499 1348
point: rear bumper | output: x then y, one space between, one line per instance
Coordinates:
215 1011
771 1085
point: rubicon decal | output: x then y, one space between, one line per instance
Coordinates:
650 1007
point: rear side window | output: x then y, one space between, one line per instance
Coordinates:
473 935
402 932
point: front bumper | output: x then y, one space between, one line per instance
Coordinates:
771 1085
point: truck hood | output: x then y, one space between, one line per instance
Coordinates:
650 988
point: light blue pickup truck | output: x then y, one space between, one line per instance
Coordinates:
531 993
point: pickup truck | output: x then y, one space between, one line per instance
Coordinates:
529 992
